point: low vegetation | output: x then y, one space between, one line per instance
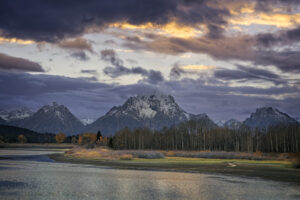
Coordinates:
22 139
296 161
274 166
108 154
60 137
200 157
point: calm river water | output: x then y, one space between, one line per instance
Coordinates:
29 174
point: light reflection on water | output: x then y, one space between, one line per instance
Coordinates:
33 179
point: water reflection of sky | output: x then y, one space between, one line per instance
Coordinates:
28 179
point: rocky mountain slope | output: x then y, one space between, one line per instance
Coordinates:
268 116
52 119
233 124
153 111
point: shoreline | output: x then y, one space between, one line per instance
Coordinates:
270 172
63 146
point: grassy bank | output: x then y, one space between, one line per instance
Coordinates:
272 167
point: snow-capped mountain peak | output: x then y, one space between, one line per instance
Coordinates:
154 111
148 106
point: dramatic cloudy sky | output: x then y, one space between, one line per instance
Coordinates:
221 57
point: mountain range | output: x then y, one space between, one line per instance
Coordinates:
51 119
154 111
267 116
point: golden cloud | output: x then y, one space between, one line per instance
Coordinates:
278 20
171 29
15 40
197 67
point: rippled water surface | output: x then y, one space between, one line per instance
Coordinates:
28 174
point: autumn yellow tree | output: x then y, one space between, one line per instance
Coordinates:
60 138
80 139
89 138
22 139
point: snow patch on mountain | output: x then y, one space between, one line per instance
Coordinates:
233 124
154 111
15 114
220 123
87 121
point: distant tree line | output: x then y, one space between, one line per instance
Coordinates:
190 135
194 135
12 134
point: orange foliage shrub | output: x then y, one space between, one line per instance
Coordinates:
80 139
87 138
170 153
258 154
60 138
103 141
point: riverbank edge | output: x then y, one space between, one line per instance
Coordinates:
62 146
288 175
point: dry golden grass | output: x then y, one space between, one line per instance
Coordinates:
126 157
170 153
191 157
104 153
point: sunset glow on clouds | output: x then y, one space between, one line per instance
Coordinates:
171 29
197 67
237 53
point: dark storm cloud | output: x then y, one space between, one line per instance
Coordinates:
80 55
267 39
10 63
215 32
286 61
54 20
268 5
248 73
285 37
34 85
118 69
